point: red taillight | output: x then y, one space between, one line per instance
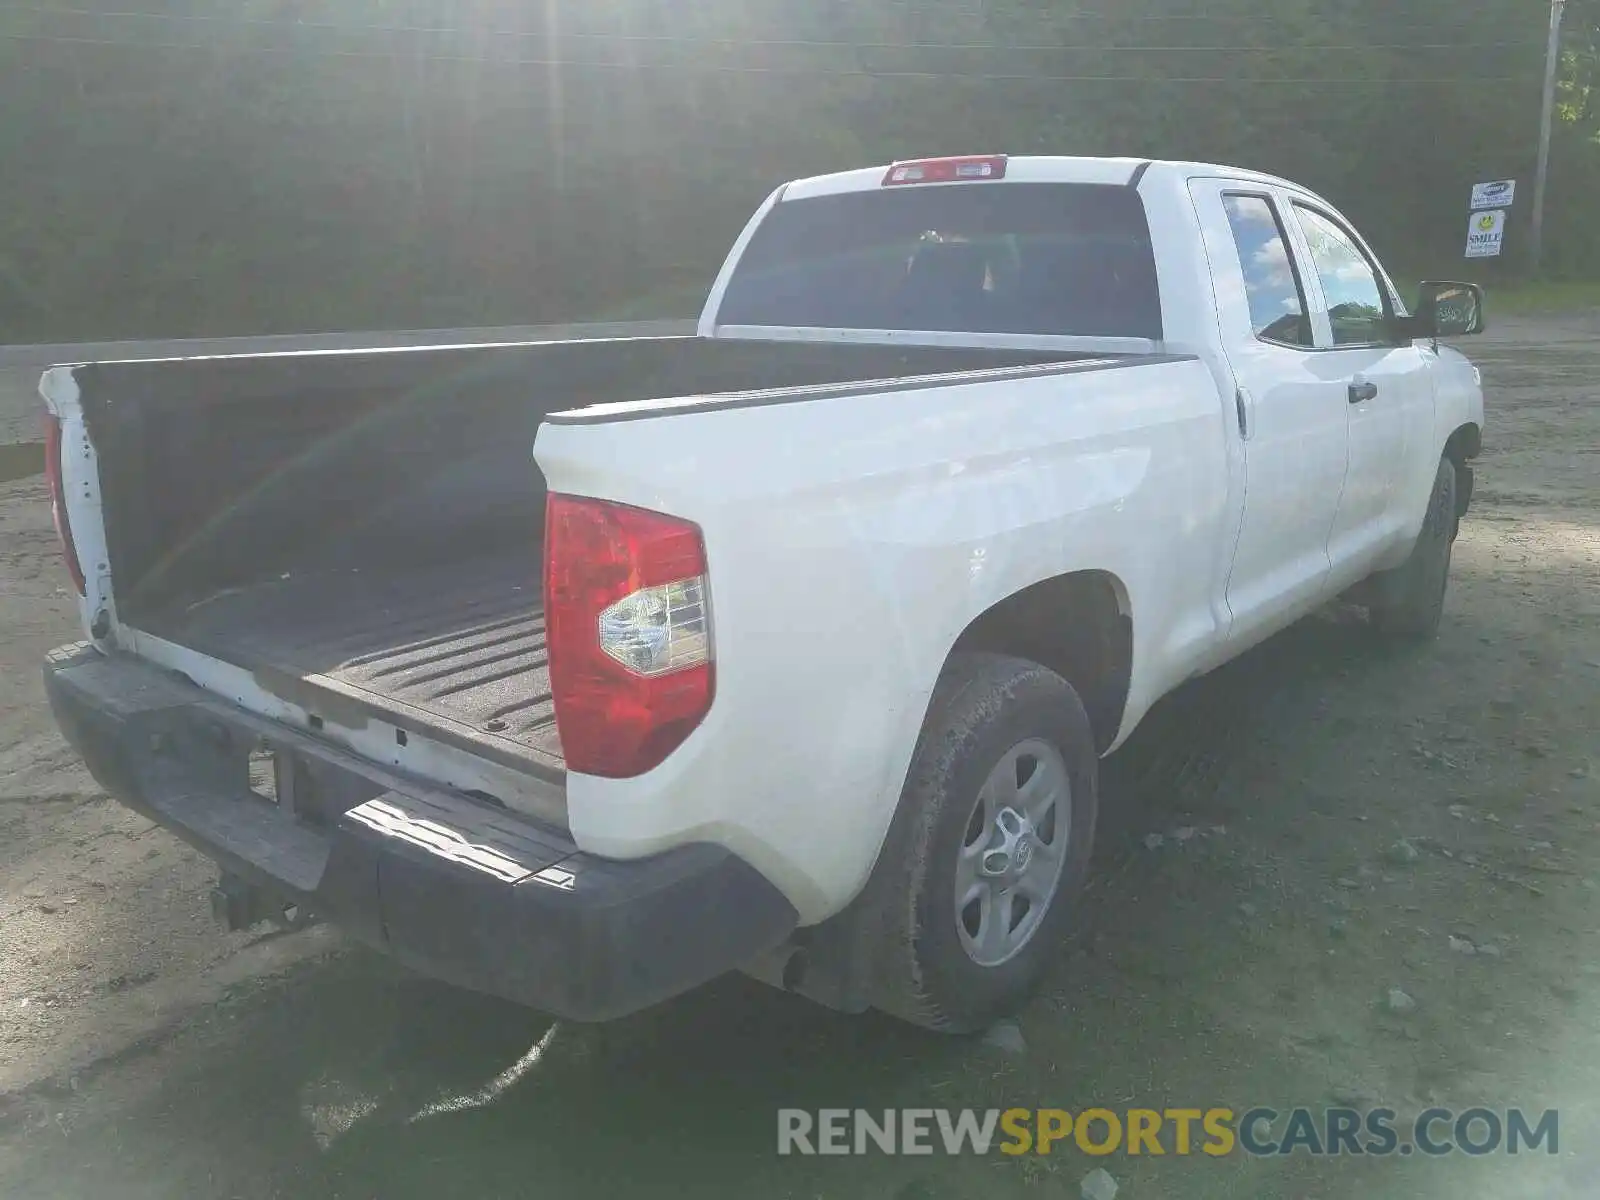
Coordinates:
974 168
58 499
627 620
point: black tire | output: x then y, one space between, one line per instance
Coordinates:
1408 602
984 706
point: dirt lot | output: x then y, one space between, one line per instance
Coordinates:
1246 959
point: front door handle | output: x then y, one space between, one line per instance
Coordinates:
1362 390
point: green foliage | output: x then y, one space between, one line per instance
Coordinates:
272 165
1544 297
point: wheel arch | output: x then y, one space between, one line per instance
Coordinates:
1080 625
1464 444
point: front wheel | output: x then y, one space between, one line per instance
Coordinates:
1408 602
992 842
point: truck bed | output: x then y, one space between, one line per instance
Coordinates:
457 652
362 531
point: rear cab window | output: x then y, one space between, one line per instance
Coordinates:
1061 259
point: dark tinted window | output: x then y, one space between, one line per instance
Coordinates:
1029 258
1349 281
1277 302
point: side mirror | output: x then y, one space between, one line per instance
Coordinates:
1450 310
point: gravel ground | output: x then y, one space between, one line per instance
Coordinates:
1335 823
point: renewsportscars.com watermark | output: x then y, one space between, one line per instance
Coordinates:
1212 1132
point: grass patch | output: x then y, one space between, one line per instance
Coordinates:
1513 298
20 460
1544 297
681 301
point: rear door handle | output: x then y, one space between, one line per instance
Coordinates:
1362 390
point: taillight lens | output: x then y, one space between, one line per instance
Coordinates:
628 625
58 499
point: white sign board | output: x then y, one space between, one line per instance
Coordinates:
1497 193
1486 233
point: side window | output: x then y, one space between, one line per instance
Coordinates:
1277 301
1349 281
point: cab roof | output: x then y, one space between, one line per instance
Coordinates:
1031 169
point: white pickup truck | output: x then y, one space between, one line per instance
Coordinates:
838 604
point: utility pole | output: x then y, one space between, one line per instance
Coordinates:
1552 66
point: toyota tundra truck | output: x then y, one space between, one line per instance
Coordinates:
583 672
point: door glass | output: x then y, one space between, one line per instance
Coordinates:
1349 281
1277 303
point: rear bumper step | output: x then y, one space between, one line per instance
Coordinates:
448 885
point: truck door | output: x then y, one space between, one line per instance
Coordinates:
1385 383
1292 424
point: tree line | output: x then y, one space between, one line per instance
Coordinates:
192 167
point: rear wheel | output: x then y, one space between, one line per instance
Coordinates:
992 840
1408 602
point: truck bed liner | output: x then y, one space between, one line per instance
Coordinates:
455 652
